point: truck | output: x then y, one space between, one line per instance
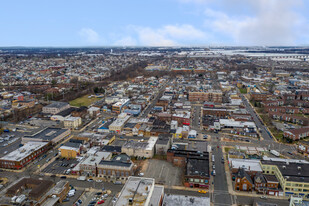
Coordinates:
274 152
82 178
20 199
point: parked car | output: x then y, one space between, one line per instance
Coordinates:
101 202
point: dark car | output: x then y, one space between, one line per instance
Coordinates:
63 177
80 201
66 200
93 202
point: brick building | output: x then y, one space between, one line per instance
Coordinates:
297 134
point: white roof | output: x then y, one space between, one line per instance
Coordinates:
69 148
247 164
24 151
151 143
71 119
139 188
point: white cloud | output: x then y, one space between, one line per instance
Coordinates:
89 35
126 41
274 22
169 35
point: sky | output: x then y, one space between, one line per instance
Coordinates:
78 23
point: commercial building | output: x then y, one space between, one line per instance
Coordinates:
19 158
196 166
231 123
117 107
140 149
88 167
72 122
293 175
140 191
197 171
53 135
39 192
117 169
163 143
70 150
119 123
93 111
55 107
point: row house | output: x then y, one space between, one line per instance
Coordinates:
217 112
289 110
273 103
289 118
297 134
259 96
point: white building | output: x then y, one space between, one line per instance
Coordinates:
140 191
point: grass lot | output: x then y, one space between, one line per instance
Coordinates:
243 90
83 101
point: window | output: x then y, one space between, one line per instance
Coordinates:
191 180
196 180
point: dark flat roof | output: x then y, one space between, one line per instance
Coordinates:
66 112
292 171
110 148
197 167
47 133
115 163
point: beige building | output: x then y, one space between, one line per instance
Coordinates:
140 149
55 107
72 122
119 123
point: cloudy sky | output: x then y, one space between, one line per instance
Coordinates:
154 22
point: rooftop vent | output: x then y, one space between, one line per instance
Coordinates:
299 168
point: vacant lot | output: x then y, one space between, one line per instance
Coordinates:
164 172
83 101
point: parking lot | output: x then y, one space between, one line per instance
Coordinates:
60 166
164 172
9 142
73 199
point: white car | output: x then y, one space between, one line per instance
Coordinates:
99 181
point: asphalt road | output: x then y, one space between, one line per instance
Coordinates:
220 194
155 100
263 129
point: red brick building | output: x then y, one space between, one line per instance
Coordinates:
297 134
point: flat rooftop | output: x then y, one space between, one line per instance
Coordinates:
57 105
47 133
24 151
137 188
181 200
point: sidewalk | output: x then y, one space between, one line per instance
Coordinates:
239 193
